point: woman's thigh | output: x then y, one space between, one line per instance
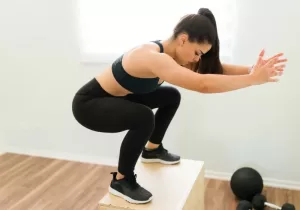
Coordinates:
161 97
110 114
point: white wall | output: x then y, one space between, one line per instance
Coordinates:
2 145
41 71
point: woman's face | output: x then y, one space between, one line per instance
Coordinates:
188 52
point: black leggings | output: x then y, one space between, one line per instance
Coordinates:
99 111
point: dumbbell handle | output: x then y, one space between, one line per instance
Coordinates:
272 206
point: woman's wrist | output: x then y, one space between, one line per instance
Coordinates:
250 69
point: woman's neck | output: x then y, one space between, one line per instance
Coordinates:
169 47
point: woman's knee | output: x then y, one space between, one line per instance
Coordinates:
173 95
145 117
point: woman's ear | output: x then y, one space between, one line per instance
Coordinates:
183 39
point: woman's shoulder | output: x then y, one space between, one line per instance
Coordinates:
145 47
144 53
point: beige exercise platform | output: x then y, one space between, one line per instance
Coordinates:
174 187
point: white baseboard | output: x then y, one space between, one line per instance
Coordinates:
66 156
270 182
217 175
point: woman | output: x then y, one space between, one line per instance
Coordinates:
123 96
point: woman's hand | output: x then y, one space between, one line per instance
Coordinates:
265 70
279 60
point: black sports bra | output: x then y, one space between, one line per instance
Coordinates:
131 83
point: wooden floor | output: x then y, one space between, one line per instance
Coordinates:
35 183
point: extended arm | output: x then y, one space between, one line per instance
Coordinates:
168 70
230 69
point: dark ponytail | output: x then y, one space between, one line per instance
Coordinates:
210 62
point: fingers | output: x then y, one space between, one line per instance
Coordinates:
272 66
260 58
276 56
273 76
280 67
259 61
273 80
274 72
271 62
281 60
262 53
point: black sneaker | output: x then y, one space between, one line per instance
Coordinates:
128 189
159 155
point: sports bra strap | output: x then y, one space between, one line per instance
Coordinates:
160 45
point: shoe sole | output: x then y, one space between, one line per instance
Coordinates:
159 161
130 200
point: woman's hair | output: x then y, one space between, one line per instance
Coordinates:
202 28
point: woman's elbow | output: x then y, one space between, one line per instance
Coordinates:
204 89
208 88
202 86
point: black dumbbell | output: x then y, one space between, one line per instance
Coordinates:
244 205
259 203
